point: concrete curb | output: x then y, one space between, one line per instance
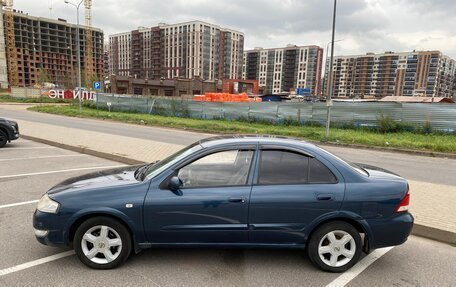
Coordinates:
434 233
418 229
85 150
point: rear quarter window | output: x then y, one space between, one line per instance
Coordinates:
319 173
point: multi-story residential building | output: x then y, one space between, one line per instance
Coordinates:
282 69
46 50
417 73
106 62
186 50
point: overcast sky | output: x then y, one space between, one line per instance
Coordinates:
364 25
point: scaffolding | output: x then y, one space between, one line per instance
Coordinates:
3 66
11 51
89 74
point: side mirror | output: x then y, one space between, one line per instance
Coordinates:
175 183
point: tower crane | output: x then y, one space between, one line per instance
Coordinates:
89 63
11 52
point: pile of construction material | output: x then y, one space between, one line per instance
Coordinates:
225 97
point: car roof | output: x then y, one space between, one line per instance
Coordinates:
246 138
341 166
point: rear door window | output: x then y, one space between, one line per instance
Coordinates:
283 167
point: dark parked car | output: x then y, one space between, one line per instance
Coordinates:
234 191
9 130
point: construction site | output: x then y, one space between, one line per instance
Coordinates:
36 51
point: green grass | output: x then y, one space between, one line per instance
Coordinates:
403 140
9 99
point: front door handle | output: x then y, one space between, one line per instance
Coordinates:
236 199
325 197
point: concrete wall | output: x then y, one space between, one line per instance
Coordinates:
17 92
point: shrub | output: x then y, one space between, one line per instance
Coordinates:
313 124
157 109
290 121
385 124
344 125
427 127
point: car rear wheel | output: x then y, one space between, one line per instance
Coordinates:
335 247
102 243
3 139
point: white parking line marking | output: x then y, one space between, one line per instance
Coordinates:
349 275
18 204
35 147
59 171
34 263
43 157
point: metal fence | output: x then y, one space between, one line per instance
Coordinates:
440 116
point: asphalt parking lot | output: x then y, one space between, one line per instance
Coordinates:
28 169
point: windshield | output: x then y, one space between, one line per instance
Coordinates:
160 166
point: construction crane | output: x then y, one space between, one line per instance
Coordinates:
89 42
11 52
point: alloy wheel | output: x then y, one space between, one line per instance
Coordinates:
101 244
337 248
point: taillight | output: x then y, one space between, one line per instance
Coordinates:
405 202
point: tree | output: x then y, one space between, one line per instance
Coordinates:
43 76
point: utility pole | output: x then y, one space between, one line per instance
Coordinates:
325 78
78 52
330 77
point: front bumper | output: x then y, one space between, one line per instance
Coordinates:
14 137
392 231
48 229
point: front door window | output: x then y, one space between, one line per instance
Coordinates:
226 168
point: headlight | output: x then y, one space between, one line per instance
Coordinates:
46 204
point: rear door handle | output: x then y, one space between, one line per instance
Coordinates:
236 199
325 197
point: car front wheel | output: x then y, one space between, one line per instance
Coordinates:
3 139
102 243
335 246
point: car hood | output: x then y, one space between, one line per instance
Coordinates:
378 172
8 120
104 178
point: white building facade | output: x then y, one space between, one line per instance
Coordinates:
187 50
283 69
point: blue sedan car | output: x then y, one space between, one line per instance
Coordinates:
231 191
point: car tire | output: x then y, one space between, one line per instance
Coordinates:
3 139
335 247
102 243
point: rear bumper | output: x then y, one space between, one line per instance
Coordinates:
391 232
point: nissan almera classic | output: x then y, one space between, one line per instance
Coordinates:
231 191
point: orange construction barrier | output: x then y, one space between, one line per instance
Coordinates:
225 97
199 98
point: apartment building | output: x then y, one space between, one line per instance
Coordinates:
282 69
417 73
186 50
46 50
